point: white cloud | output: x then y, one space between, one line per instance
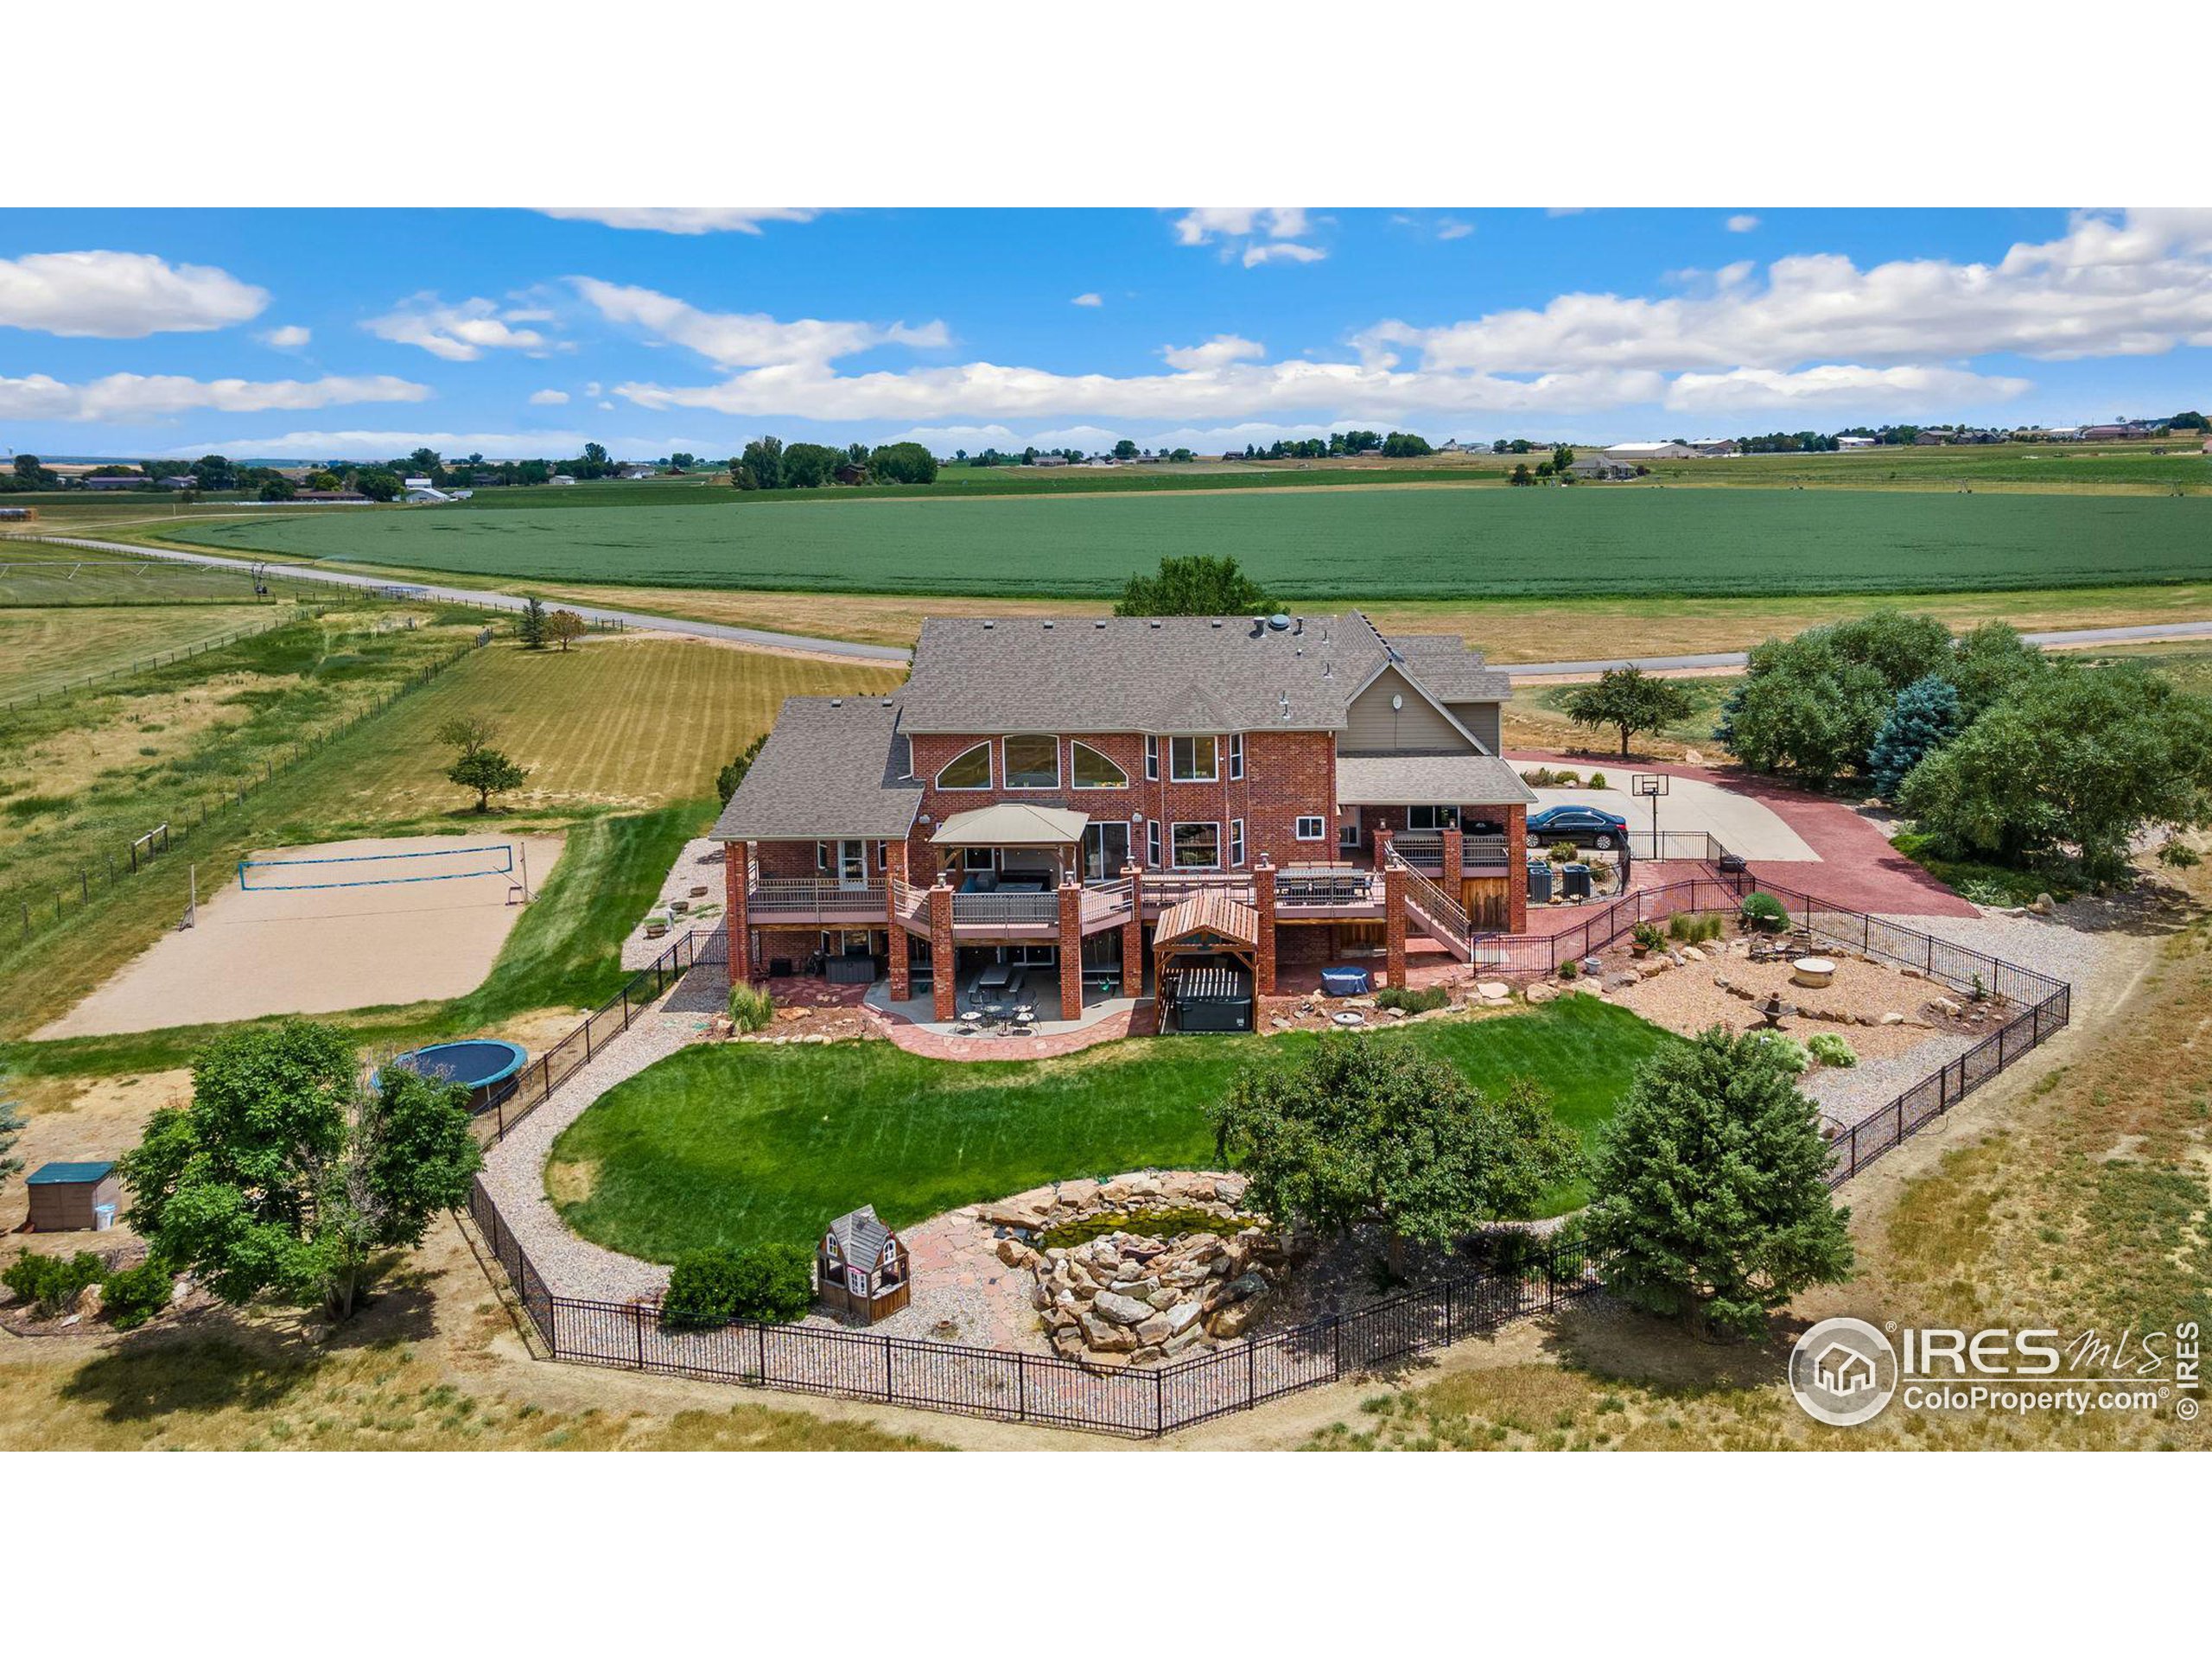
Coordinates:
1222 348
687 221
121 296
1086 299
382 445
1741 222
129 398
2140 285
1451 230
734 339
550 395
290 337
1841 385
463 332
1257 235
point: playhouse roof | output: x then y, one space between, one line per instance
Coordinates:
860 1236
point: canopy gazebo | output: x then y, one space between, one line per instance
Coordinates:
1018 826
1192 948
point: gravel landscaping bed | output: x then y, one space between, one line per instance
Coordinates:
699 865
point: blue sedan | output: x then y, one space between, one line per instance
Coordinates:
1582 826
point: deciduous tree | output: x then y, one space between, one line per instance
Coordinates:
1630 701
1200 585
563 627
288 1176
1712 1205
1365 1130
488 772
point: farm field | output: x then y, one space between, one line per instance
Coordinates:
743 1143
38 574
43 648
1372 545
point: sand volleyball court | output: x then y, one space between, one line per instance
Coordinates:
315 930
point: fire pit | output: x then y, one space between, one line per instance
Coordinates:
1817 972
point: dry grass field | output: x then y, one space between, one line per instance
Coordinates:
45 648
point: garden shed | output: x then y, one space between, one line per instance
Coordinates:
74 1197
860 1268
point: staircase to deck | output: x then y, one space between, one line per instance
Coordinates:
1436 914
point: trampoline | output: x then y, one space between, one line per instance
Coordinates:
486 1065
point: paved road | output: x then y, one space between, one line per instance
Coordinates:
502 602
1712 660
2062 637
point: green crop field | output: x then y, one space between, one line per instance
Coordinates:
1310 546
40 574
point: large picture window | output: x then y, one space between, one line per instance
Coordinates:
1093 770
971 769
1033 762
1193 759
1432 817
1198 846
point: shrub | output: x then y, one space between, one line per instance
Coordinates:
1763 913
1684 929
701 1289
1564 852
772 1283
1831 1050
1569 969
134 1296
1597 780
1790 1052
775 1283
1422 1001
53 1283
1648 935
751 1009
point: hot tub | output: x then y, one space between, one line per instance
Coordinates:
487 1064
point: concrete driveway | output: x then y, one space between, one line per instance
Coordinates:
1736 822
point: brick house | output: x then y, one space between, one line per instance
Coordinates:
1067 794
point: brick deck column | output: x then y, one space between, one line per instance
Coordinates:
737 858
1132 935
901 978
1393 924
943 964
1455 863
1070 948
1516 869
1263 890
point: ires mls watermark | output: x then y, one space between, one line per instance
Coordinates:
1845 1371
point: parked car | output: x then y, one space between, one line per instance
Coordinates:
1581 826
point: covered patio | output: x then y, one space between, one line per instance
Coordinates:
1205 956
1032 849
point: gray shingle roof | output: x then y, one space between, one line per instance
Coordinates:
832 766
1137 674
1447 671
861 1238
1428 780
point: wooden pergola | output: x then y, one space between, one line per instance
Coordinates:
1208 923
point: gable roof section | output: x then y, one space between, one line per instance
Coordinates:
831 767
860 1236
1449 671
1433 780
1073 675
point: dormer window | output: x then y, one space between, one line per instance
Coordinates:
971 769
1033 762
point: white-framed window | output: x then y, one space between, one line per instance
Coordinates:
970 769
1237 843
1432 817
1313 828
824 861
1089 769
1236 755
1198 846
1152 760
1032 761
1152 843
883 856
1193 759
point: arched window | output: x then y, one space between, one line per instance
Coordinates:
1093 770
969 770
1033 762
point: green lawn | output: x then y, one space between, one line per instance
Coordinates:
1308 545
744 1143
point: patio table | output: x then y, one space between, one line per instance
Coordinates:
995 977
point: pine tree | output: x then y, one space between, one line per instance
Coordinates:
1713 1200
1925 717
529 627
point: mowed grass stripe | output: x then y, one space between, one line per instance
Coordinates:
1312 545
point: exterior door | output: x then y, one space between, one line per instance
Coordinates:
1105 851
1347 830
852 863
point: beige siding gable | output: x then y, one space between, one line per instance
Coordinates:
1481 719
1417 727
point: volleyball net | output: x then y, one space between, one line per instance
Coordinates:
374 869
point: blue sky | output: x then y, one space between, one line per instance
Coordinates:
356 332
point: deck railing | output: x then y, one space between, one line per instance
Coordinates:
811 897
1006 909
1166 887
1332 886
